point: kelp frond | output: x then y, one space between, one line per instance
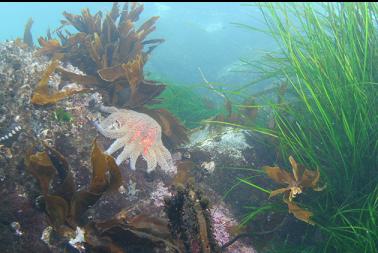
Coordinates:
300 179
28 38
66 206
112 52
42 95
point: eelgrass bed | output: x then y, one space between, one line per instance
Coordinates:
329 59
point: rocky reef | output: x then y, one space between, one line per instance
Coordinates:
20 73
62 193
68 127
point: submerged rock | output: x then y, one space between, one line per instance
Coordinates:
26 125
213 150
226 154
223 145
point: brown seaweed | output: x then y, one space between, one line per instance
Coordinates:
184 169
110 49
47 165
66 207
42 95
112 52
300 179
138 234
40 166
189 220
49 47
28 38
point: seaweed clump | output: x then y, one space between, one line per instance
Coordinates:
112 52
66 207
190 220
43 96
300 179
28 38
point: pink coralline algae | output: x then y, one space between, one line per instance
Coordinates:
138 134
222 223
158 195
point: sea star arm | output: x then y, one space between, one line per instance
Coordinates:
133 158
151 160
103 129
125 153
108 109
117 144
161 159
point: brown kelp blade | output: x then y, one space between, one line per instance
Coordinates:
106 176
111 53
48 47
80 203
297 170
111 74
139 232
41 95
279 191
102 165
65 187
311 178
278 175
133 70
57 209
63 204
41 167
151 225
85 80
28 38
145 94
299 212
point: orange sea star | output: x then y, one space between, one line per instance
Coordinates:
138 134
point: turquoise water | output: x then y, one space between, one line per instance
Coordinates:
306 106
197 35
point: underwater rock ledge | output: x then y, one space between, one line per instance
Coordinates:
67 126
